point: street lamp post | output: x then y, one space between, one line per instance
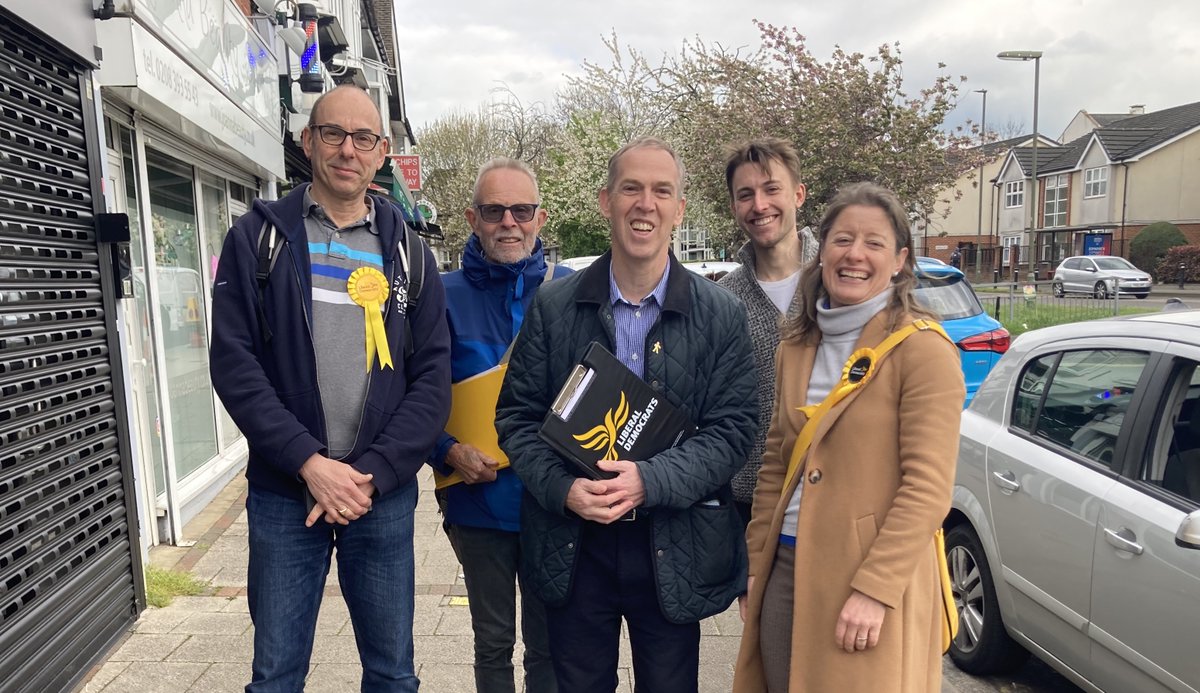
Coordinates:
1036 57
982 142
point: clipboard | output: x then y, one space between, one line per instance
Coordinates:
605 412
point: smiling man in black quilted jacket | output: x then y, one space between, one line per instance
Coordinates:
660 545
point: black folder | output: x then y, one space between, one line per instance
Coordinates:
605 412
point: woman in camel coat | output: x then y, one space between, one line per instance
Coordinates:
855 605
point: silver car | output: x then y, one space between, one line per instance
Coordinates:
1101 276
1075 526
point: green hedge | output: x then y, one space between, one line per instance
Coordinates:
1167 271
1151 245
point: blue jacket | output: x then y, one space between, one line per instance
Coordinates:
270 389
485 306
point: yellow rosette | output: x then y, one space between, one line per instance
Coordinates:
859 367
368 288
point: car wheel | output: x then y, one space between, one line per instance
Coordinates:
1058 289
982 646
1101 290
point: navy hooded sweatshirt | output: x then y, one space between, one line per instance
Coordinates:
270 387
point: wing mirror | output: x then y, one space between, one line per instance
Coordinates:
1188 535
1090 269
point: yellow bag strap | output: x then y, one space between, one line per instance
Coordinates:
857 372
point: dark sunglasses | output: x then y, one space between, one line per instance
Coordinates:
334 136
492 214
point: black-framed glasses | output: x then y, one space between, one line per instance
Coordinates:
334 136
492 214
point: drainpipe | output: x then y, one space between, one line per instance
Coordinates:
1124 203
997 250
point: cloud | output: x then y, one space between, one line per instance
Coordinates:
1100 55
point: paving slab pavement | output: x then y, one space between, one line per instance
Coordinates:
204 643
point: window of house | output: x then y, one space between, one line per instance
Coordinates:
1095 182
1014 193
1055 210
1007 243
1080 403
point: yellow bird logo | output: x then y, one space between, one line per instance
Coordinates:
604 436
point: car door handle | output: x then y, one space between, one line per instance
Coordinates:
1123 539
1006 481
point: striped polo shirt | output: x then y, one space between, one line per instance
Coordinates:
338 324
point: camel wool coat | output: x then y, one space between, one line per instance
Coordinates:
878 479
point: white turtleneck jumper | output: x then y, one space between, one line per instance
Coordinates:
840 329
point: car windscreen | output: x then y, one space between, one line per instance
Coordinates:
947 295
1113 263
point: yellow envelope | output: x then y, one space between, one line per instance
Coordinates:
473 417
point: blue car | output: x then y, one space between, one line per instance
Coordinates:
980 338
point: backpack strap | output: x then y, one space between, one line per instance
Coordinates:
269 245
412 258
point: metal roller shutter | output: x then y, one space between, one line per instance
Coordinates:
67 585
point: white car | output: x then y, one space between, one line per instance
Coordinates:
579 263
1074 531
1100 276
711 269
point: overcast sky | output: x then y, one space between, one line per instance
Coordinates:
1099 55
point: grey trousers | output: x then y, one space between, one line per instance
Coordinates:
489 558
775 622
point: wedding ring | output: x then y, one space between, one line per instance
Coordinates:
342 511
862 639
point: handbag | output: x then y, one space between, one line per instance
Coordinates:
949 608
857 372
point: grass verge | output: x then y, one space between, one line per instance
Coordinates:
164 585
1031 315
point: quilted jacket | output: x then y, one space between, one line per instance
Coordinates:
698 355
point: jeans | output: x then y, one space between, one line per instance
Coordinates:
489 558
614 579
286 578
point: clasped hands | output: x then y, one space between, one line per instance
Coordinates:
608 500
342 492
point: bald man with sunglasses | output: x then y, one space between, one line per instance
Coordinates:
502 267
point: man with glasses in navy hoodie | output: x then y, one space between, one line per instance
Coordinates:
309 357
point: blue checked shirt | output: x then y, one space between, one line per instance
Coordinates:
634 320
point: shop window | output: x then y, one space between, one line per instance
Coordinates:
181 299
216 227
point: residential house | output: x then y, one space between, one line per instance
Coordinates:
1084 122
1096 192
966 214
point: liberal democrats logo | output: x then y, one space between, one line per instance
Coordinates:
604 436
